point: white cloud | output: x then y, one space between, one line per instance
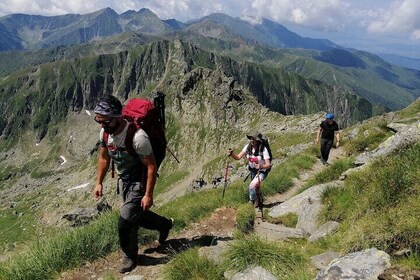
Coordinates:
377 16
400 17
317 14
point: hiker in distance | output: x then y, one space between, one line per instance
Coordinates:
327 129
259 162
137 177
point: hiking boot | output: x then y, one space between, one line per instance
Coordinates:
163 234
127 265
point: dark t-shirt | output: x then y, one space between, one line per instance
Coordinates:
328 130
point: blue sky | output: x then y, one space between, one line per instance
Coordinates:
379 26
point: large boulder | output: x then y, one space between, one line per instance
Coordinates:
405 136
364 265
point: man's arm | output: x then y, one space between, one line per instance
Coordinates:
150 163
233 155
337 137
266 165
103 165
318 135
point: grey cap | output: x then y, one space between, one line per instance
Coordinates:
257 136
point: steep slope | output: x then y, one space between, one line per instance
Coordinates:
39 32
366 75
49 91
361 218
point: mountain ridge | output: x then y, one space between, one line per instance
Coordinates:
126 21
82 80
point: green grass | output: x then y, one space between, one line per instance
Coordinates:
377 207
189 265
245 216
17 225
380 204
330 173
280 179
369 136
280 141
109 276
201 204
165 181
282 259
410 111
411 261
288 220
63 250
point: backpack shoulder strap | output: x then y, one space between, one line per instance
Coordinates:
105 138
249 149
132 129
261 149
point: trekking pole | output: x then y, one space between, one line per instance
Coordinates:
159 103
226 176
246 178
172 154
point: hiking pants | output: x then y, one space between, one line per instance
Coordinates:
255 184
133 216
326 145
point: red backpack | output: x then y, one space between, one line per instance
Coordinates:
142 113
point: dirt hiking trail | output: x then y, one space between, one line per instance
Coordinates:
220 225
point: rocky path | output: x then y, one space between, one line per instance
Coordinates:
152 258
336 153
306 204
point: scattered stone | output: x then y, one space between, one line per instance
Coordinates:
133 277
274 232
83 216
252 273
306 205
394 273
402 252
322 261
406 135
367 264
353 134
215 252
324 230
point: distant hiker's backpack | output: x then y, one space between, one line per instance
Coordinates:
260 152
142 113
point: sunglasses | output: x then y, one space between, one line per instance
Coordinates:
106 123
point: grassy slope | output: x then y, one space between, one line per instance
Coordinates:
379 82
394 204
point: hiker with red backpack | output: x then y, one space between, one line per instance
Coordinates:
259 157
130 149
